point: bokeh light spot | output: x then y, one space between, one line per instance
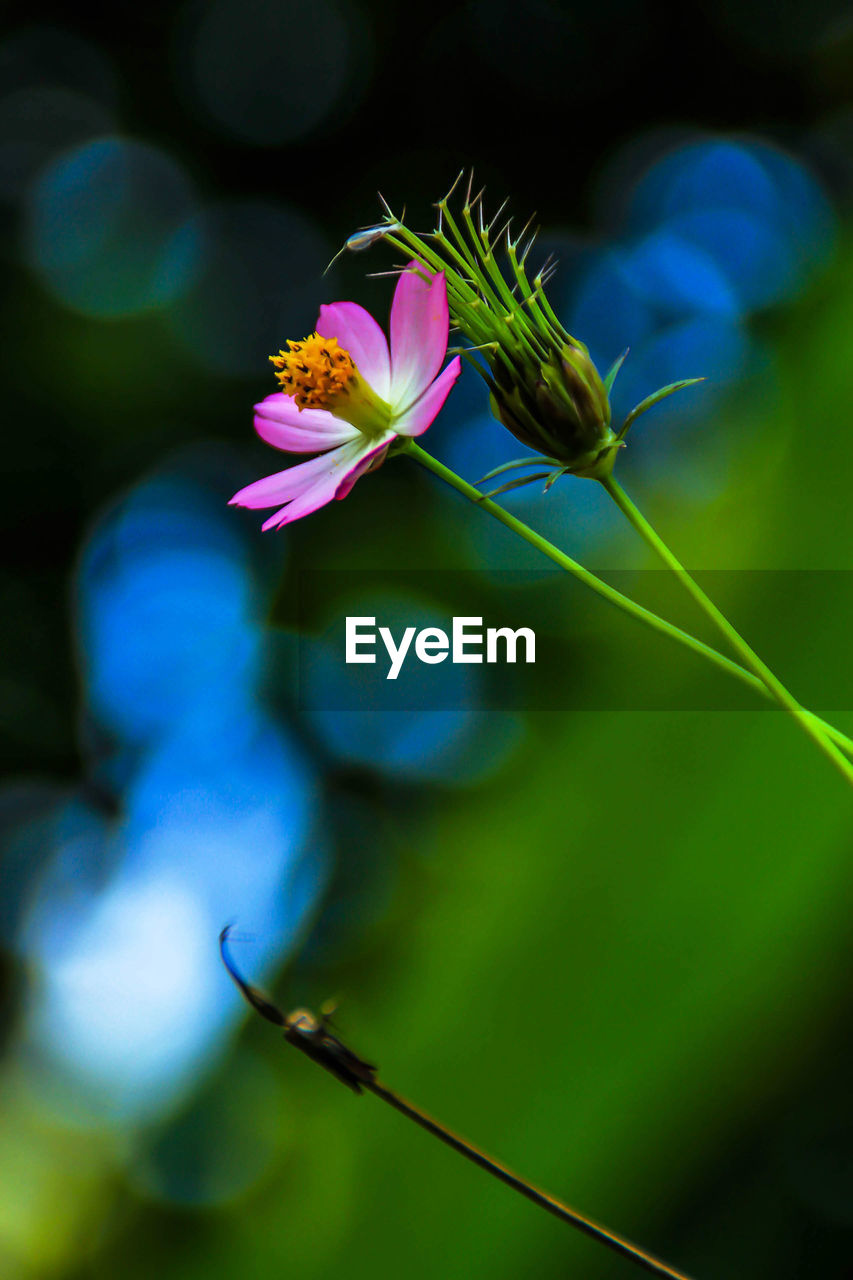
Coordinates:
209 805
36 124
122 1002
677 277
755 260
101 222
166 613
748 203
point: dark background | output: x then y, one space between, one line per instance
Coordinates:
609 944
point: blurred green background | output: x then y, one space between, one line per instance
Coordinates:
609 945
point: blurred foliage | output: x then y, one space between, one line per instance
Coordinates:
610 946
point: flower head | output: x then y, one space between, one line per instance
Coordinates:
543 385
346 396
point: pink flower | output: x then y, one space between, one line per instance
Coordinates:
347 398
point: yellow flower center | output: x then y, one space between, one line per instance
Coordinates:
315 372
320 374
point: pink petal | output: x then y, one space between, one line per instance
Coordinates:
310 485
367 463
419 329
357 331
285 485
418 417
282 424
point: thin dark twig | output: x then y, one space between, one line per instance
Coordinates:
545 1201
312 1036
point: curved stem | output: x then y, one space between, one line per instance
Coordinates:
541 1198
603 589
750 658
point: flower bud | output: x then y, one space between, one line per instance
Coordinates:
543 385
557 406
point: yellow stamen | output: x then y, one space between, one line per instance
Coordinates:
316 372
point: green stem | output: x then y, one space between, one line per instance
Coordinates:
750 658
603 589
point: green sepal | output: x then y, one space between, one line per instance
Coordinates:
533 461
610 376
516 484
652 400
554 477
